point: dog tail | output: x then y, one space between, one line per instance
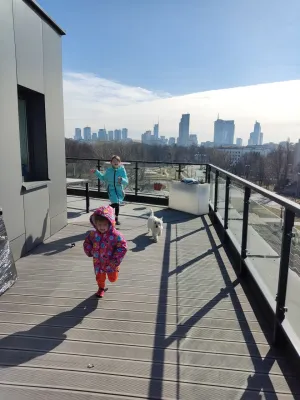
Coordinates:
151 213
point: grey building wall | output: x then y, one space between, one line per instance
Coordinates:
30 54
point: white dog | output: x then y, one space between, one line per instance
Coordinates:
155 225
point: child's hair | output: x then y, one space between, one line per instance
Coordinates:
100 218
115 158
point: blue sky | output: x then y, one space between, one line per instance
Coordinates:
129 62
181 46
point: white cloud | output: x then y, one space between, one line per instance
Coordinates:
94 101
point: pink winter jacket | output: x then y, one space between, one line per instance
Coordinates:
108 249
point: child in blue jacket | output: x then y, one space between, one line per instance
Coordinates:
116 178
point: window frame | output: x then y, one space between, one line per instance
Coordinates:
35 134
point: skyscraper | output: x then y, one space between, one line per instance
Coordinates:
193 140
102 135
184 130
124 134
146 137
256 133
239 142
110 136
77 135
156 131
94 136
118 134
251 139
261 139
172 141
87 133
256 137
223 132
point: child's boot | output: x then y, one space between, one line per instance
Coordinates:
100 293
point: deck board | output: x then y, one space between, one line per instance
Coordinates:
177 324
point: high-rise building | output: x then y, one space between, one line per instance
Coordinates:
110 136
256 137
193 140
208 144
251 139
261 139
239 142
146 137
118 134
172 141
124 134
77 135
87 133
94 136
223 132
184 130
102 135
257 132
156 131
163 140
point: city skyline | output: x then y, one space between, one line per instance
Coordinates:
90 99
87 134
224 135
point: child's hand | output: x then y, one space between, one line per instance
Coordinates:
93 171
119 180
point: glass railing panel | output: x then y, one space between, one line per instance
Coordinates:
194 171
80 169
293 286
235 213
264 241
154 179
212 187
221 195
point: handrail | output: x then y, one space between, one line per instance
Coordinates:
134 161
291 205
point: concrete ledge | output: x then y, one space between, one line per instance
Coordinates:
28 186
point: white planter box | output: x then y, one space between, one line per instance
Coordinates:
192 199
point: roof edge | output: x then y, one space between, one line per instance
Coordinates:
38 9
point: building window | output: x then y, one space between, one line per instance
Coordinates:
33 138
23 138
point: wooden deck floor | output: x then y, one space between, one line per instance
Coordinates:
177 324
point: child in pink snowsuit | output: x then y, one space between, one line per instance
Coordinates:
106 245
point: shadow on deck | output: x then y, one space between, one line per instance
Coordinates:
177 325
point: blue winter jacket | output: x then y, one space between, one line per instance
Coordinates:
114 188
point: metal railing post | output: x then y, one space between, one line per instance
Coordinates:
208 169
226 212
206 173
87 197
247 195
179 171
287 235
98 168
136 187
216 191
